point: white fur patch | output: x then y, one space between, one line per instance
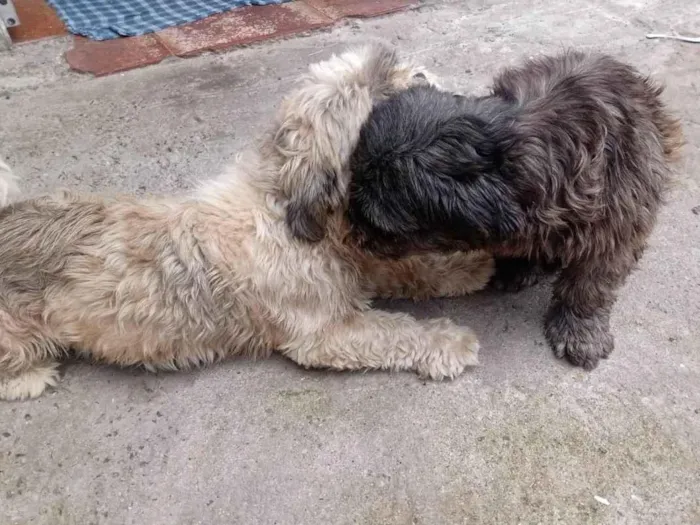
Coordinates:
29 384
9 190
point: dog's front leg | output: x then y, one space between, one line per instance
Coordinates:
380 340
428 276
577 324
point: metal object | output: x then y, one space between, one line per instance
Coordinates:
8 18
5 40
8 15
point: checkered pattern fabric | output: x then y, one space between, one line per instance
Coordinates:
105 19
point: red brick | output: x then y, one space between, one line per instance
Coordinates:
112 56
37 21
337 9
242 26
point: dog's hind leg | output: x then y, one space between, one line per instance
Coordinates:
29 382
428 275
27 362
380 340
577 324
25 370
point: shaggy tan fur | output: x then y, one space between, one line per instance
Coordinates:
177 282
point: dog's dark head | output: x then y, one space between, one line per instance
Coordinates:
317 129
427 175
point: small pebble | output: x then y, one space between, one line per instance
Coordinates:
601 500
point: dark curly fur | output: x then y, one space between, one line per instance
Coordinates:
565 163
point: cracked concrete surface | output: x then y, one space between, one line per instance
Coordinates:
522 439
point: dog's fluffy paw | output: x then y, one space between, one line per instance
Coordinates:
30 383
583 341
455 348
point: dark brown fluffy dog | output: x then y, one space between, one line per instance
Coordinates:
565 163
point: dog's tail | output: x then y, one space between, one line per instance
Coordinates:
669 127
9 190
671 135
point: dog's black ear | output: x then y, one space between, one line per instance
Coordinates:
308 175
305 222
489 205
476 210
310 206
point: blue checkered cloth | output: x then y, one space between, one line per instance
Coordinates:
106 19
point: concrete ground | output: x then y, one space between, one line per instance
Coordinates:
525 438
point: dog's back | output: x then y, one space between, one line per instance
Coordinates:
36 235
574 77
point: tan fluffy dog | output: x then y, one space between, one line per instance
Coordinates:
176 282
